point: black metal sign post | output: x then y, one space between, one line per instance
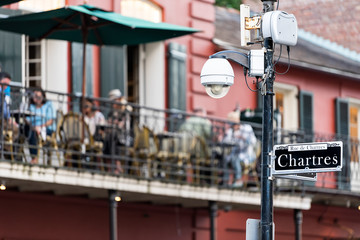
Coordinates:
266 221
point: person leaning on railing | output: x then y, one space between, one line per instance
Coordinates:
41 122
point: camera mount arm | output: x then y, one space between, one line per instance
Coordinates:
239 58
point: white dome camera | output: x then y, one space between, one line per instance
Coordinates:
217 76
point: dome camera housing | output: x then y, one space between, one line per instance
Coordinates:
217 76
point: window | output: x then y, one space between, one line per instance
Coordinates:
11 54
33 62
286 103
133 74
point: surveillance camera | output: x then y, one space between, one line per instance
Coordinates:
217 76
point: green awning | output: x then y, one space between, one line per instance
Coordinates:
102 27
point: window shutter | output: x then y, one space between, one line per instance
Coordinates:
306 111
113 71
77 74
342 129
342 116
10 50
177 76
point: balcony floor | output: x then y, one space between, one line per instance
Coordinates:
95 185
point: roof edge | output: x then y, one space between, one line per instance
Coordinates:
229 46
328 45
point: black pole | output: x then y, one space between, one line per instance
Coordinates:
266 221
113 215
298 219
213 212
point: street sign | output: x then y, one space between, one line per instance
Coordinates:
300 176
307 158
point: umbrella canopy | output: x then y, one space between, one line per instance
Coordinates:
89 24
6 2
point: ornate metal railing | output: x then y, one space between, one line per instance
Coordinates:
134 141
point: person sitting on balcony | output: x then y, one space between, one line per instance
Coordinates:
41 121
5 80
93 117
118 137
120 111
9 123
243 138
198 124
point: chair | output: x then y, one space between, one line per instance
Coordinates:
203 162
7 141
48 145
76 140
184 149
144 151
165 154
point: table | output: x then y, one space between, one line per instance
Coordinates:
19 115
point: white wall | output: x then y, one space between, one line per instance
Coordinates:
152 80
56 67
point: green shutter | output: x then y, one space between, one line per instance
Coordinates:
342 129
306 111
112 69
342 116
77 62
177 76
10 50
306 114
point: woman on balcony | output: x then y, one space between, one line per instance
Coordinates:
41 121
93 117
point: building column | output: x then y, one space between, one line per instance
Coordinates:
213 214
113 214
298 219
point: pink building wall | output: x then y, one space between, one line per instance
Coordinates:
26 215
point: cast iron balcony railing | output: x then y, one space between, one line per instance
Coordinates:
134 141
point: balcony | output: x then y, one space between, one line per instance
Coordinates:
149 156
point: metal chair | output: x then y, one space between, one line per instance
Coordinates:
7 141
77 142
144 151
202 161
184 149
